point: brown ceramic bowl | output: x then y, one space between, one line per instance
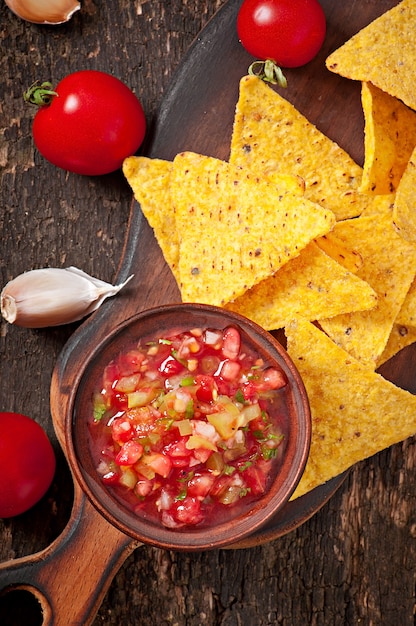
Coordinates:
235 528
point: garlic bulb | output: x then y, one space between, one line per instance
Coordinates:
53 296
44 11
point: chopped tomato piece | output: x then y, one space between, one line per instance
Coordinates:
230 370
187 511
200 485
122 429
249 390
231 343
159 463
202 454
170 366
130 453
271 378
255 480
206 387
131 362
178 448
143 487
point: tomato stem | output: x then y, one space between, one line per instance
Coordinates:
40 94
269 72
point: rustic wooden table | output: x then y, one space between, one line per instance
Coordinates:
354 561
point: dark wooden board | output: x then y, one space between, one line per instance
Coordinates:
196 114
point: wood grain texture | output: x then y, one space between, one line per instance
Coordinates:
354 561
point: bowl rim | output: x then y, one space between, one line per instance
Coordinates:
201 538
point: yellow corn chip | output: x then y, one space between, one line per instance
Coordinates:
383 53
355 411
150 181
271 135
287 183
333 247
390 136
380 205
404 209
139 170
234 228
407 314
311 286
400 337
389 266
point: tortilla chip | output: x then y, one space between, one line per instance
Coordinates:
390 137
311 286
383 53
150 181
333 247
404 209
287 183
407 314
400 337
355 412
380 205
139 170
389 266
270 135
235 229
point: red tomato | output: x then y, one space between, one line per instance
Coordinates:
206 387
187 511
255 480
27 463
288 32
93 123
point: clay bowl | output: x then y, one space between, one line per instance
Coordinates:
230 530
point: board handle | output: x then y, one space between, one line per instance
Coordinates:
70 578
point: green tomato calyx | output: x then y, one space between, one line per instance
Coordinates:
40 94
269 72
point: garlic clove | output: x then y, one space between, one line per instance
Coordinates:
53 296
44 11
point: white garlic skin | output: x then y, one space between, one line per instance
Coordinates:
53 296
44 11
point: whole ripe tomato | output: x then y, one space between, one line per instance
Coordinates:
88 124
288 32
27 463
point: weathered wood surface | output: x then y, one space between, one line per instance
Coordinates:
354 562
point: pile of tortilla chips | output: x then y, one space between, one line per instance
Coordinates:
293 234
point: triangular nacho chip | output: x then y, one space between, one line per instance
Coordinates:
235 229
311 286
271 135
400 337
380 205
336 249
404 209
407 314
355 412
383 53
390 137
150 181
287 182
389 266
